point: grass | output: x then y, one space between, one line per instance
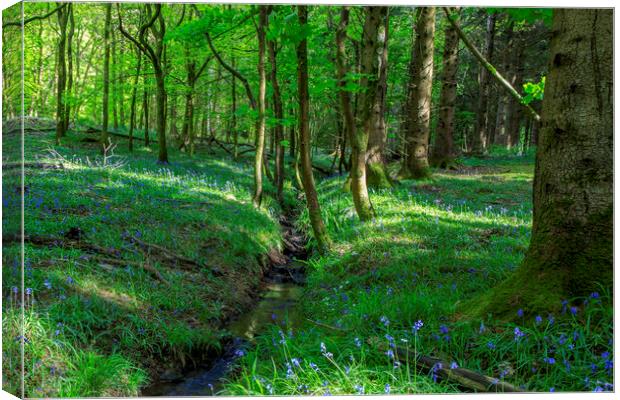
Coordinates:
435 244
96 329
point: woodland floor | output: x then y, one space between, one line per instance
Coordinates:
96 327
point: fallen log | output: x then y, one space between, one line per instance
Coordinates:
466 378
42 165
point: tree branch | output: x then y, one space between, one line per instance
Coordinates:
35 18
489 67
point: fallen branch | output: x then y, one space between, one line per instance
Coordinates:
464 377
144 265
327 326
169 254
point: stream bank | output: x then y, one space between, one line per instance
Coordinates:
281 288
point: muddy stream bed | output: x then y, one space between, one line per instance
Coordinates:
281 290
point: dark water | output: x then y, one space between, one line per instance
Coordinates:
277 304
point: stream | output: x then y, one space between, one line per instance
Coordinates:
281 290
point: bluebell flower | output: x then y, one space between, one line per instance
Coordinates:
520 313
443 329
295 362
594 295
574 310
28 291
482 328
358 342
605 355
552 390
323 348
518 334
598 389
70 280
538 319
384 320
239 353
387 388
609 364
454 365
416 327
347 369
491 345
396 364
390 353
47 284
15 290
550 319
359 389
314 367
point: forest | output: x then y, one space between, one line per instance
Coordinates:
228 199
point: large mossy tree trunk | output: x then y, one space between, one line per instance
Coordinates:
312 200
260 122
416 163
443 151
376 173
571 251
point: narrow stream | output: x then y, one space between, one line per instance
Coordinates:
281 291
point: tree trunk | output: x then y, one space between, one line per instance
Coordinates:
279 128
341 70
421 81
106 73
134 90
514 109
376 173
482 122
372 40
501 135
443 152
314 209
160 100
62 75
571 250
145 113
260 123
113 73
235 133
69 91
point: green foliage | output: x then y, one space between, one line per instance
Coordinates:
526 14
534 91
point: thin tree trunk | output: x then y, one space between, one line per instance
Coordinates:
134 90
279 128
113 73
416 165
514 110
106 73
482 122
62 75
503 107
145 113
235 132
260 123
341 70
443 152
69 91
314 208
376 173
